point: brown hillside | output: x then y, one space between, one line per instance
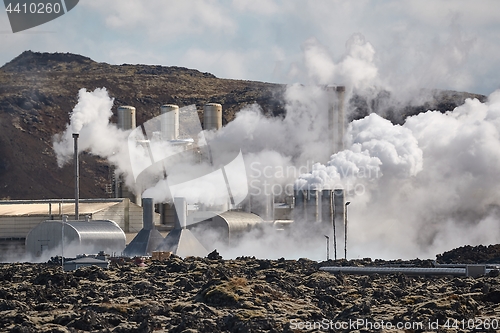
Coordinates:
39 90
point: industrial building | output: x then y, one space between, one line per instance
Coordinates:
22 222
75 237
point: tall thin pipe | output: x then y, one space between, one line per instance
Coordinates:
77 177
345 230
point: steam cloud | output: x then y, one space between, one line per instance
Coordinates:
416 189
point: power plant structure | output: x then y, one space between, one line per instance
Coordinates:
126 121
148 239
74 237
212 116
180 227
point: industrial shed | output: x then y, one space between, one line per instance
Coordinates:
89 236
18 217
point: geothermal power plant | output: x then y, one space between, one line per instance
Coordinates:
131 224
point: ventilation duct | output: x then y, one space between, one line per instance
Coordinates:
148 239
180 240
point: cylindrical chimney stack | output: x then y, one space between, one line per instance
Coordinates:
77 176
126 121
299 208
339 212
336 117
212 116
126 117
169 122
312 205
340 93
147 213
326 207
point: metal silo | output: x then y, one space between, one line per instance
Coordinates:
126 117
212 116
169 122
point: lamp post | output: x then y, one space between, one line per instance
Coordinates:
345 230
77 176
327 248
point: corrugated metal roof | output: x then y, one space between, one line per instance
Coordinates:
42 209
238 221
100 229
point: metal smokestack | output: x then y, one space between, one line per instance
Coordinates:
126 121
147 213
327 215
340 94
77 176
326 207
299 208
336 117
212 116
126 117
312 205
169 122
339 212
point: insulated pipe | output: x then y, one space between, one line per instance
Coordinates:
77 176
403 270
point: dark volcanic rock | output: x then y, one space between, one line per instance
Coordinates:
246 294
471 254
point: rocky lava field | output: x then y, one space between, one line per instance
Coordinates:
246 295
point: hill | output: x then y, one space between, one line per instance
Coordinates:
39 90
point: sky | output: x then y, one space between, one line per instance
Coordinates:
427 44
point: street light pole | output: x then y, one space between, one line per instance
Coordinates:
345 230
327 248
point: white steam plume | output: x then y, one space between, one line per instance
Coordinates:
421 188
416 189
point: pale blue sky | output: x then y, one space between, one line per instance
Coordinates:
434 44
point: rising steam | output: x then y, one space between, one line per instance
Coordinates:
416 189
